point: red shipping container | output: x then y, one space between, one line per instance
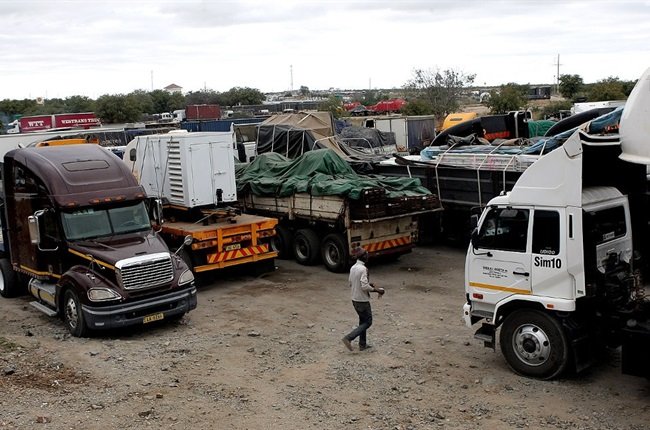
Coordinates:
202 112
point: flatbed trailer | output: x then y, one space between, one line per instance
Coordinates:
328 228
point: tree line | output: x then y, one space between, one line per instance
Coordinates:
428 92
131 107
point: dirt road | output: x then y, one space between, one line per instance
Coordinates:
266 353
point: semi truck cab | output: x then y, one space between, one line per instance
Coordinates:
77 234
553 263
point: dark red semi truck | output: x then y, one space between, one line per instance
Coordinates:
76 234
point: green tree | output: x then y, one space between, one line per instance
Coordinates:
202 97
16 107
509 97
628 86
552 110
570 85
143 100
118 108
440 89
610 88
242 96
371 97
417 107
333 105
304 91
161 101
79 104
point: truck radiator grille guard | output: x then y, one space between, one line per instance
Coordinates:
145 271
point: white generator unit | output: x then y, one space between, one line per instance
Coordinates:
188 169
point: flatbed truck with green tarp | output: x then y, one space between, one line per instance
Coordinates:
325 210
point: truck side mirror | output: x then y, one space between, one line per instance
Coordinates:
34 229
473 222
158 211
187 241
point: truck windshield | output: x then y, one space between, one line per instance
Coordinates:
90 223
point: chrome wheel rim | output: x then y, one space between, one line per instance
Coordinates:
71 313
531 345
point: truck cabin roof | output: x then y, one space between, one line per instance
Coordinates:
77 175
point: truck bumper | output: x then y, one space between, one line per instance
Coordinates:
467 317
140 312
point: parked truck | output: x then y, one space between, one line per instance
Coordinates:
192 177
558 263
28 124
325 210
76 235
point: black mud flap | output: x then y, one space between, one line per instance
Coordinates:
636 351
487 334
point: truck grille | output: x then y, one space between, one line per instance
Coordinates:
145 271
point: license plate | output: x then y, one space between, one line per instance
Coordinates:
233 247
153 317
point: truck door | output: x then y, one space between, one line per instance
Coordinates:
26 194
499 261
549 261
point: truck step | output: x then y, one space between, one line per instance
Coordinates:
41 307
486 334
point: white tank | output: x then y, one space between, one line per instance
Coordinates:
635 123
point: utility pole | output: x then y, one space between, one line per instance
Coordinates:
557 75
152 80
291 77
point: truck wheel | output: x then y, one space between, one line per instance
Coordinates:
72 314
9 285
306 247
335 253
282 242
534 344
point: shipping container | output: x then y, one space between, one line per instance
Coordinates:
202 112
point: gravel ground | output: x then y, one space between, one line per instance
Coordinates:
266 353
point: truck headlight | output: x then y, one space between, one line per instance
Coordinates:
186 277
102 294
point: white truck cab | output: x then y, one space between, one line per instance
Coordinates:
553 264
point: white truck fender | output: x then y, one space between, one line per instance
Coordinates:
548 303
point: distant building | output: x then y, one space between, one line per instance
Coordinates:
173 88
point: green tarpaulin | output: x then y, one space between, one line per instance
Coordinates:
320 173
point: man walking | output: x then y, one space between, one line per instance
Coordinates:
361 289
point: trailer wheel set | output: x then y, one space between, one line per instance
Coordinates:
308 248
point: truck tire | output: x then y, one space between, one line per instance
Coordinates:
9 285
282 242
335 253
306 247
534 344
72 314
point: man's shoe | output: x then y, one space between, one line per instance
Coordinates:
347 343
364 347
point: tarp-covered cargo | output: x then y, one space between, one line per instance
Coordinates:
298 133
294 134
319 173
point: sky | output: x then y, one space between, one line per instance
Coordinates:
56 49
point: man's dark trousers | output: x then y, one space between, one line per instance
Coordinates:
365 321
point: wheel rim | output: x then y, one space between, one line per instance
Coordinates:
531 345
332 255
302 249
71 313
2 281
